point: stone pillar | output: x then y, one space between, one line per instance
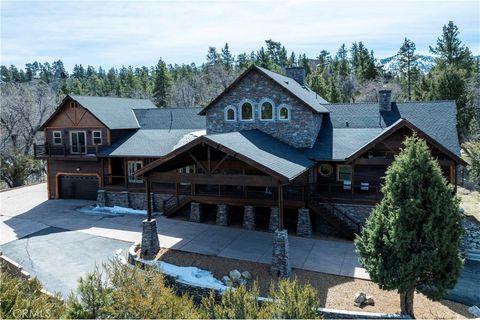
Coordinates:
281 266
101 198
196 212
249 218
274 222
304 227
223 215
150 243
122 200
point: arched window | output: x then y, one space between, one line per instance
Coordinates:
284 113
247 111
230 114
266 110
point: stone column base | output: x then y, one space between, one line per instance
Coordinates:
249 218
281 266
196 212
274 222
101 198
223 215
304 227
150 243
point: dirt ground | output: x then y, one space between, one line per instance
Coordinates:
334 291
470 201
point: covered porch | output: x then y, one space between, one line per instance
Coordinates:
248 169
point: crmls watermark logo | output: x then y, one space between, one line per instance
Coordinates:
31 314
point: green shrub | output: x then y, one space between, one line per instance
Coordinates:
291 300
23 299
240 303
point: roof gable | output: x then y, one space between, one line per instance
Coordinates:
311 100
254 148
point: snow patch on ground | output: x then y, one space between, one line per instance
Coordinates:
112 211
189 275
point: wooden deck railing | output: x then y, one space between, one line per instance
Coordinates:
42 151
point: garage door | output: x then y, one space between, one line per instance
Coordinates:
78 187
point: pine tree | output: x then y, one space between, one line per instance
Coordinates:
333 92
227 57
408 64
162 84
411 241
212 56
450 50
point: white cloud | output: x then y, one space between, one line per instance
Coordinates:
136 33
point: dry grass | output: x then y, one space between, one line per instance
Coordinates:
334 291
470 201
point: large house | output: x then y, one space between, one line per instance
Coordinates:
268 150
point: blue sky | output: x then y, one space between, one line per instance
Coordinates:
116 33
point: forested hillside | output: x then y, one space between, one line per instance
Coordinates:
352 74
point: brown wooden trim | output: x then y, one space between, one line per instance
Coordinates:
87 127
57 176
49 192
391 130
363 161
108 137
222 179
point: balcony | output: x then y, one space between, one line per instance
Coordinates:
65 152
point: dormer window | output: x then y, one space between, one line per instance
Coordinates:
266 111
284 113
230 114
247 111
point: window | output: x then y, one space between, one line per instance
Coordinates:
57 137
230 114
284 113
97 137
247 111
132 167
266 111
344 173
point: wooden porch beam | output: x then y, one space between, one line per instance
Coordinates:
222 179
225 157
198 162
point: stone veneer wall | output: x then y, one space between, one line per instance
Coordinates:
358 213
300 131
132 200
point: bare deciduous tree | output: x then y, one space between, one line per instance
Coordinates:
24 107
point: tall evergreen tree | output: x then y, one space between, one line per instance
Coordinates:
450 50
227 57
408 64
162 84
411 241
212 56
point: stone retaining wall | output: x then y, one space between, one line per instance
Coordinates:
134 200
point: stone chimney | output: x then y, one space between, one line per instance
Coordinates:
297 74
385 100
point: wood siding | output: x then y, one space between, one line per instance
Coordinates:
55 168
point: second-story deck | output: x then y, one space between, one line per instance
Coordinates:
65 152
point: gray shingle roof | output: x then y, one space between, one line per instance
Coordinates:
170 118
265 150
304 93
115 113
150 143
437 119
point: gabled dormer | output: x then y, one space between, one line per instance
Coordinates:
281 106
81 124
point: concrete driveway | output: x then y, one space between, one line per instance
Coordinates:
26 211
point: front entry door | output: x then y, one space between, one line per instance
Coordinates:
78 141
